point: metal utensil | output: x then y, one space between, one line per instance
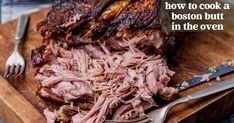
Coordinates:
159 115
215 72
144 119
15 64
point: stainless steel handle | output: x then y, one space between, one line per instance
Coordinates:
227 84
21 29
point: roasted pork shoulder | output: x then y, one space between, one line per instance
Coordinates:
102 59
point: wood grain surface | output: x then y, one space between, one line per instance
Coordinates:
15 108
197 52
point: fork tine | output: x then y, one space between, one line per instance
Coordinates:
11 71
21 70
6 70
17 70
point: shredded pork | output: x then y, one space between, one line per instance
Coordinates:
101 83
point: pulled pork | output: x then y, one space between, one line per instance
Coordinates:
100 83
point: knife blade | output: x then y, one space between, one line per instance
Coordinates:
208 75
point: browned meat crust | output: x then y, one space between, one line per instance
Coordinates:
97 19
138 15
68 14
46 94
40 56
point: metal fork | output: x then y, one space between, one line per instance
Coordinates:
15 64
159 115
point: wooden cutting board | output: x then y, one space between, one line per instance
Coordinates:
197 52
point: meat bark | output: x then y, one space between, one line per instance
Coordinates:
69 14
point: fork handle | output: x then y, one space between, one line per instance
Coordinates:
227 84
21 29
